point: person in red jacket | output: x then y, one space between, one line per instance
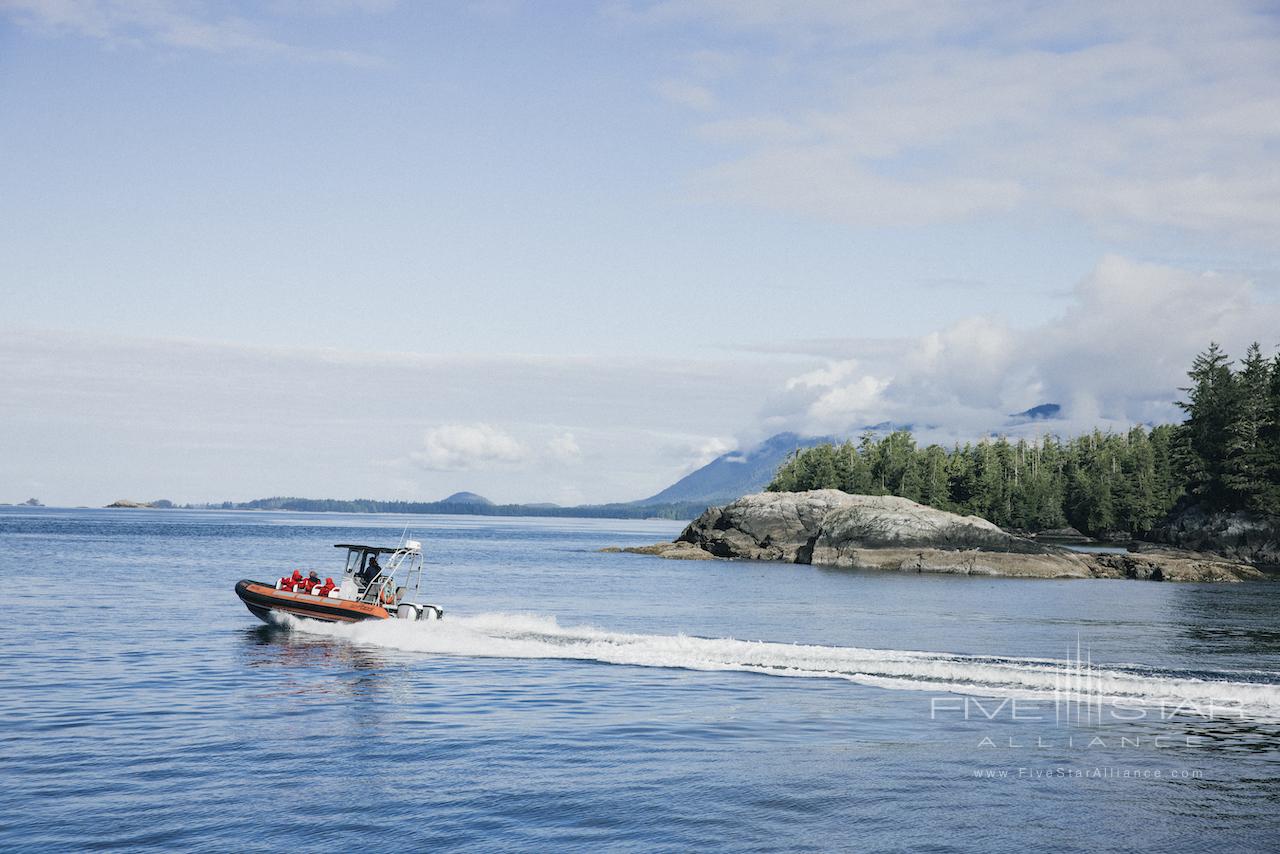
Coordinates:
290 582
326 588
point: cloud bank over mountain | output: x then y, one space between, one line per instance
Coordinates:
1115 357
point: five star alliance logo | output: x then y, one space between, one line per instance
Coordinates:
1077 690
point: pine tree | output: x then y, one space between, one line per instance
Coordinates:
1169 486
1203 438
1245 469
1271 441
936 488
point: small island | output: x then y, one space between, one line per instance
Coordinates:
827 527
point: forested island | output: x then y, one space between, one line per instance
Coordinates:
1224 457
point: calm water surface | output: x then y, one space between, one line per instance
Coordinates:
579 700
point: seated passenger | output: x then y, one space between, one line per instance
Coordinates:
371 571
290 582
312 582
326 588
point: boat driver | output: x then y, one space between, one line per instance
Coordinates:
373 570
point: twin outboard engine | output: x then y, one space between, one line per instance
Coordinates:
412 611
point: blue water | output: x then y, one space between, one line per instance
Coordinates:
578 700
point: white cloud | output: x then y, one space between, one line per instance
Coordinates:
461 447
564 448
182 25
892 113
829 375
688 452
1114 358
860 399
708 450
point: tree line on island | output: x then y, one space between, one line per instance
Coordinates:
1224 456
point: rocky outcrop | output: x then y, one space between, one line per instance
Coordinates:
1175 565
1240 535
965 562
792 526
672 551
832 528
766 526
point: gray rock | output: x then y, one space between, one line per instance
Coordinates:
827 527
1252 537
1171 565
832 528
964 562
671 551
767 525
883 521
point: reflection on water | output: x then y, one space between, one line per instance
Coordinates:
303 663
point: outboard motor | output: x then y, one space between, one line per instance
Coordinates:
408 611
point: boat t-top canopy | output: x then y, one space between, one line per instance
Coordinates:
377 550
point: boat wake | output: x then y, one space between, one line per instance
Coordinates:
1069 680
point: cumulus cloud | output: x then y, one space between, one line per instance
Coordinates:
873 113
709 449
460 447
1115 357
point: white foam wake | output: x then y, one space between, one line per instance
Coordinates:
523 636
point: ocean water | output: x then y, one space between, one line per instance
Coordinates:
574 700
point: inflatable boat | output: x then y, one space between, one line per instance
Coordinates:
368 590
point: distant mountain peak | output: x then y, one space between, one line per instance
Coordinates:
736 473
1043 412
467 498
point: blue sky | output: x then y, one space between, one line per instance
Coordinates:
730 217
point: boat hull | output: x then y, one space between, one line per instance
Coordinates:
262 599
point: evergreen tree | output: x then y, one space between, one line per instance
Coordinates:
935 489
1245 468
1203 438
1271 440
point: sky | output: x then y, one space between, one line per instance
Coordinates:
570 251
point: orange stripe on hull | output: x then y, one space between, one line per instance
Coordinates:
316 607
